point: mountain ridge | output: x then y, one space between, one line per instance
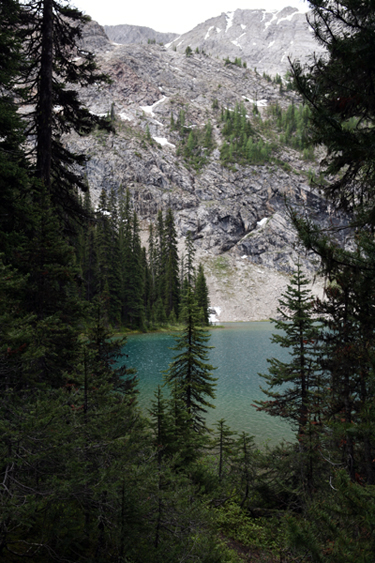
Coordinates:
261 38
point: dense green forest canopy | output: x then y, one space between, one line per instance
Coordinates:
84 475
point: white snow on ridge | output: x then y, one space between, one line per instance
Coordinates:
288 18
270 45
230 16
150 109
208 32
163 141
243 26
274 17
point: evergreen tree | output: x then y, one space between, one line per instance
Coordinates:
341 119
224 443
50 35
338 90
299 379
172 290
103 245
114 275
136 308
13 167
160 257
201 295
125 253
190 370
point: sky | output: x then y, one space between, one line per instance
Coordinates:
172 15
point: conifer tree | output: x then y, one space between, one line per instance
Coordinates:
136 308
190 369
224 442
50 35
125 253
172 290
299 379
338 90
201 295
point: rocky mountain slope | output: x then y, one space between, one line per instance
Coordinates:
237 213
137 34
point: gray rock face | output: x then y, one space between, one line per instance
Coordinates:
262 39
125 34
237 215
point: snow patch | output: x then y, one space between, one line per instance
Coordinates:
243 26
169 44
270 45
235 42
274 17
230 16
208 32
164 142
125 117
150 109
288 18
262 222
218 30
214 314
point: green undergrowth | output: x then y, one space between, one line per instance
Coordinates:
259 534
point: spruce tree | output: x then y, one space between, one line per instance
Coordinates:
201 294
338 89
295 386
53 64
190 369
172 289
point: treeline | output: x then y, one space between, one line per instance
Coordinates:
142 289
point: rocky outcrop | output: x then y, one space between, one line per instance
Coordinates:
237 215
263 39
125 34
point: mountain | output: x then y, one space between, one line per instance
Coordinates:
235 210
137 34
263 39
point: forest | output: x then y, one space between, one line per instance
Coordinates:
85 475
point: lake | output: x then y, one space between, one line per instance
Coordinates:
240 352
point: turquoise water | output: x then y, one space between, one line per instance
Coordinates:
240 352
